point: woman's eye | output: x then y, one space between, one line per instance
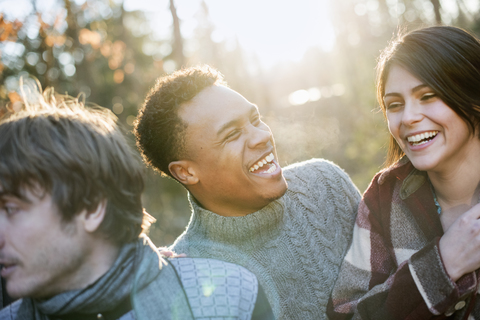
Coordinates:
428 96
393 105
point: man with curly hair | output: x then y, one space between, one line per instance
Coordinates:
72 242
212 140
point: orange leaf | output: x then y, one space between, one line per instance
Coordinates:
14 97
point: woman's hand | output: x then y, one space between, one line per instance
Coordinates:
460 245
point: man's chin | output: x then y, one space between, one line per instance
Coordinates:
14 293
281 191
24 290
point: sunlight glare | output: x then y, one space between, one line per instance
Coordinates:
313 94
299 97
275 30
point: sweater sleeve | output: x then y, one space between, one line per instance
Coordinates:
371 285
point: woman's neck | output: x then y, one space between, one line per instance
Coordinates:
457 189
457 184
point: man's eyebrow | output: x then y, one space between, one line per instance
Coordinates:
235 122
7 195
415 89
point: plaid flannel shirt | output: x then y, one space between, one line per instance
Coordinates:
393 269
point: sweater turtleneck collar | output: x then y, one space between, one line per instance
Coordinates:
255 228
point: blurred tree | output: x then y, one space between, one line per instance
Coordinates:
177 52
436 9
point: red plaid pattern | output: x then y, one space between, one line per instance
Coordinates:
393 269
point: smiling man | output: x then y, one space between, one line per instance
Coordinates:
72 242
208 137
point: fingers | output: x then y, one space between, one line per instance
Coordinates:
170 254
473 213
460 245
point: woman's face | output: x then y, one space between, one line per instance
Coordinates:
430 133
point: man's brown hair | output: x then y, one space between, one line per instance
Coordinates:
79 156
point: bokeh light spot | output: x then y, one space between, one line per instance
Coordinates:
299 97
118 76
169 66
130 120
117 108
69 70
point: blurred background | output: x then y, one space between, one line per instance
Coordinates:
308 64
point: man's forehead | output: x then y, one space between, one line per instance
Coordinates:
215 105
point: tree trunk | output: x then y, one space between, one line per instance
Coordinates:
177 51
436 9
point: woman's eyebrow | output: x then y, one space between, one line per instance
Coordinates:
415 89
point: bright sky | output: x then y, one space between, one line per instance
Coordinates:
274 30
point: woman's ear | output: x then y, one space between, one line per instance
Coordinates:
183 171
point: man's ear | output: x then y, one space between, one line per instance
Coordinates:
92 219
183 171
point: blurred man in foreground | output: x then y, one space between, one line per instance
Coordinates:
208 137
71 229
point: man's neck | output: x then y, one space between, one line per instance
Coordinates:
93 265
101 260
229 209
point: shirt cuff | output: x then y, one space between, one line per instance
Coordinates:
440 293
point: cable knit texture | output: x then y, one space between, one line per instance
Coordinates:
294 245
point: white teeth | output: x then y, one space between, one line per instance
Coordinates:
272 168
263 162
417 139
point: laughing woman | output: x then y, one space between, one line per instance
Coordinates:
416 245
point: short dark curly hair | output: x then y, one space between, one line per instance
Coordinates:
159 130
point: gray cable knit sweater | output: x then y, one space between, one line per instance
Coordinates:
294 245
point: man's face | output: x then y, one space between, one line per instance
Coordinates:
233 153
40 255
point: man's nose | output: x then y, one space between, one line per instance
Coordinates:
259 135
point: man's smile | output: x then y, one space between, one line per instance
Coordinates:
265 165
